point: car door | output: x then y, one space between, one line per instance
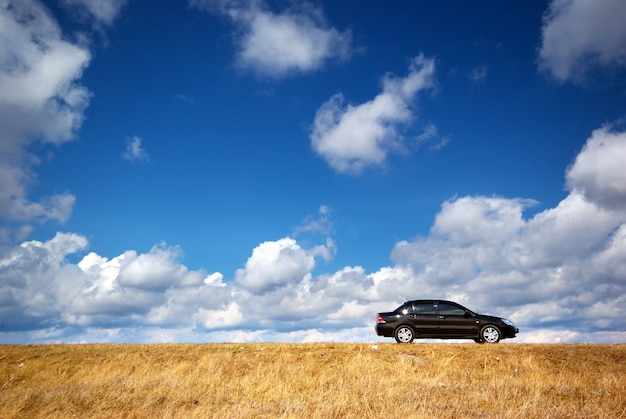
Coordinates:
455 321
423 318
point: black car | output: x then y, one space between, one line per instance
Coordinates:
442 320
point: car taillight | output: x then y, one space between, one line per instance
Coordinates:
380 319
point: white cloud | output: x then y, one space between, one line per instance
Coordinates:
277 44
352 138
560 275
469 220
578 35
38 286
102 11
598 171
157 270
321 224
40 102
430 139
275 264
226 317
215 279
326 251
557 234
134 151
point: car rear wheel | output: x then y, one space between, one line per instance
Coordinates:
404 334
490 334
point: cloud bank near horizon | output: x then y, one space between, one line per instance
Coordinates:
560 275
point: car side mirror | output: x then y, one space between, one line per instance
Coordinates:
467 315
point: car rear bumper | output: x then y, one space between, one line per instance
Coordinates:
384 329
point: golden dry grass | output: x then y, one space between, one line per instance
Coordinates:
313 380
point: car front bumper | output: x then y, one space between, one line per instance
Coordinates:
509 332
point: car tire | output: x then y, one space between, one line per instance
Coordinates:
404 334
490 334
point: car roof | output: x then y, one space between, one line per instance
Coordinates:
438 301
430 301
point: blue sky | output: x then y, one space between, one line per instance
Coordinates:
241 170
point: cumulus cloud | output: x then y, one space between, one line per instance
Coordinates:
598 171
557 268
274 264
559 274
40 288
40 102
351 138
578 35
271 44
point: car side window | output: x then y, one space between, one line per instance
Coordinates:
404 309
450 310
423 308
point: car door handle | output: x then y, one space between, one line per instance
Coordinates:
442 317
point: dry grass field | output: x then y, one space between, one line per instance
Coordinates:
324 380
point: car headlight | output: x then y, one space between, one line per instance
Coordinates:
507 322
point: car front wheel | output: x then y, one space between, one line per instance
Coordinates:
404 334
490 334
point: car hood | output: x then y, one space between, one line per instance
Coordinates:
489 318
